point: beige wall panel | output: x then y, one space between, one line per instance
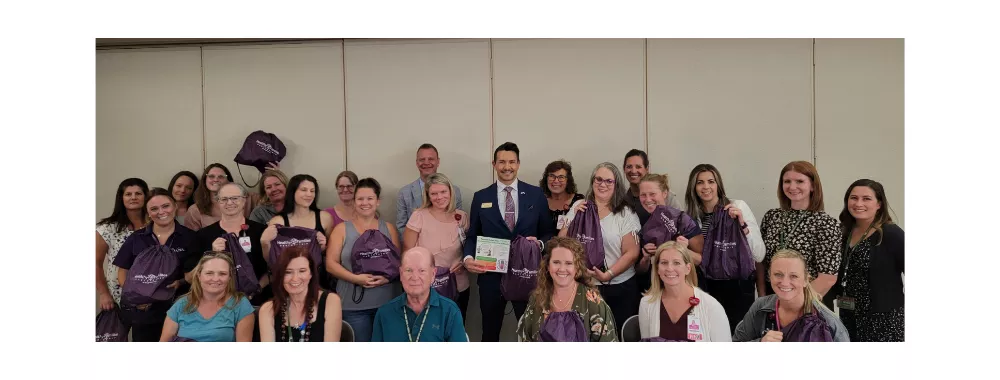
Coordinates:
295 91
859 117
402 93
148 118
576 99
742 105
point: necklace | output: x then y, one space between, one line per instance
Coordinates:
560 302
286 326
407 320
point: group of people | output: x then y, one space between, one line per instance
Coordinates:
801 259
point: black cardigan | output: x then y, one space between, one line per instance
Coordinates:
884 278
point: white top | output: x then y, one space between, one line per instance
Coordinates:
613 228
755 239
115 240
709 312
502 198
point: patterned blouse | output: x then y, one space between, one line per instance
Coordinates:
114 239
815 234
588 303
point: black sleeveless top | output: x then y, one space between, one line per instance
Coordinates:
315 328
319 222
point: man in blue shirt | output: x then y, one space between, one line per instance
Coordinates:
420 314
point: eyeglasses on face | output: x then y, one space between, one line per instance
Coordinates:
560 178
605 182
229 199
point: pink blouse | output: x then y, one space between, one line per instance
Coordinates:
442 239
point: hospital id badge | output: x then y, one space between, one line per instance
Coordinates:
245 243
846 303
694 328
561 222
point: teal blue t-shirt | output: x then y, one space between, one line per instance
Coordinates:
221 327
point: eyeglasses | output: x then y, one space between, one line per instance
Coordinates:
560 178
212 176
348 187
229 199
607 182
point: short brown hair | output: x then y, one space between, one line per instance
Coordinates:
815 196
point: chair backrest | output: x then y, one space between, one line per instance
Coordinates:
630 330
467 337
346 332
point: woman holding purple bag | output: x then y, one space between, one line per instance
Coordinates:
669 224
706 200
565 306
619 230
375 290
146 319
440 228
795 313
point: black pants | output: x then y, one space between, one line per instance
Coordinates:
146 325
493 307
623 299
463 303
827 300
736 297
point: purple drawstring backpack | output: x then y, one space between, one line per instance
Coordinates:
375 254
586 228
259 149
445 283
808 328
563 326
522 272
246 279
146 281
110 327
727 254
665 224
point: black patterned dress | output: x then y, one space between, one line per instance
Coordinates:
863 324
814 234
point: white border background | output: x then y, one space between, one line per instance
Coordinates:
48 101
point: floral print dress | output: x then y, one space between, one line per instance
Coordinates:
114 238
594 311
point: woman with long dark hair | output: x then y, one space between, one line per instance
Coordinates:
182 188
870 285
128 215
300 311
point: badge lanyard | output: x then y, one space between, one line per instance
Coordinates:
407 320
777 314
781 243
849 251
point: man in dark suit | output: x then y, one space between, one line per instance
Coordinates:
503 210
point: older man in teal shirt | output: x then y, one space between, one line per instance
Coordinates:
420 314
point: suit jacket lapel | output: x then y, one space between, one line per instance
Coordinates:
418 194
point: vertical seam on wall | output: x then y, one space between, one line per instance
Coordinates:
343 73
813 105
645 90
492 130
204 130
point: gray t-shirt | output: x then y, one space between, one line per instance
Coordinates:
263 214
373 297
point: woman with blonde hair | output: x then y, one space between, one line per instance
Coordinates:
564 295
213 311
273 184
674 309
440 227
795 313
